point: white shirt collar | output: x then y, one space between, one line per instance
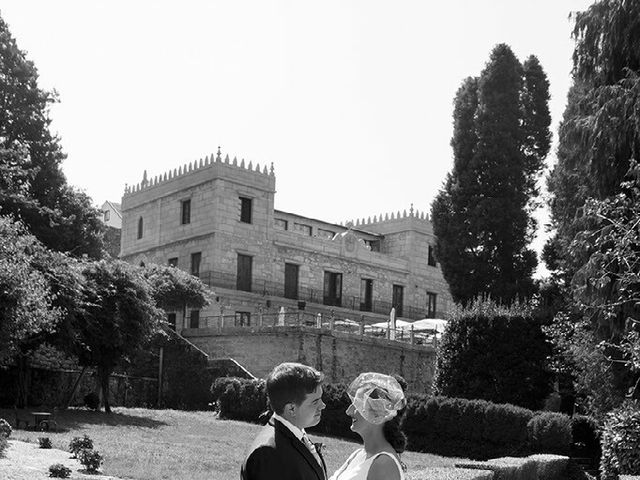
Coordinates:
295 430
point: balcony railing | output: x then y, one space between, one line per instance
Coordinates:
305 319
311 295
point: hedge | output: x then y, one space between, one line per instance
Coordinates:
454 427
479 342
621 443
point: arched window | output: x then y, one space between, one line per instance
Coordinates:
140 227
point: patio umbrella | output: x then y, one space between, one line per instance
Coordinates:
281 317
434 324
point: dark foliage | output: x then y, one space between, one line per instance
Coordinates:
479 342
92 401
482 216
621 443
239 398
586 438
58 470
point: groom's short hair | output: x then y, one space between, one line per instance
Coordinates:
291 383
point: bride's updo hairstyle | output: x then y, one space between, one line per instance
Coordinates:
380 400
392 429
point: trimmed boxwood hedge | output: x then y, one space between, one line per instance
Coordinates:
455 427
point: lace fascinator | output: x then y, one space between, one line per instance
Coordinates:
377 397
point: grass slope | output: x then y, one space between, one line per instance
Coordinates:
170 444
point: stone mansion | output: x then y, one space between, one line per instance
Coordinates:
215 218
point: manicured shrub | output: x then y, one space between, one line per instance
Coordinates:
58 470
92 401
621 443
239 398
5 428
45 442
550 432
80 443
90 459
477 346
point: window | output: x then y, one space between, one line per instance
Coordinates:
185 212
374 245
244 273
302 228
173 262
245 209
291 280
326 233
107 215
171 320
366 293
281 224
432 259
140 227
332 289
431 304
243 319
398 299
194 319
195 263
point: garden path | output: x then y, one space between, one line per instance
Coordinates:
27 461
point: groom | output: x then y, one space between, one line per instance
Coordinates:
282 450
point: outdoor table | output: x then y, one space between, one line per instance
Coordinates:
40 417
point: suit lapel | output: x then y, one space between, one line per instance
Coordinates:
320 470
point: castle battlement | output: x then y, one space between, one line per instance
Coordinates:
388 218
210 161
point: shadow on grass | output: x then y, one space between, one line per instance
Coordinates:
73 418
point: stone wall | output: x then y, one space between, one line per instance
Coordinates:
340 356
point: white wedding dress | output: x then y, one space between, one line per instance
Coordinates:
357 466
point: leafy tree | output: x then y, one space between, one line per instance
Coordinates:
32 185
174 289
591 187
120 316
26 299
482 216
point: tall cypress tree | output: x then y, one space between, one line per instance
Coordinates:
482 216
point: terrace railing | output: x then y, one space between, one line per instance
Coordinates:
319 321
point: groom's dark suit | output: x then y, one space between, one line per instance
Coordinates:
276 454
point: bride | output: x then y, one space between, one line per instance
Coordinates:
377 405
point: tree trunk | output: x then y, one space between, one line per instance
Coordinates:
23 380
104 386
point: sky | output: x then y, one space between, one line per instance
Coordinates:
351 101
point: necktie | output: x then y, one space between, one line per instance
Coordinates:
312 448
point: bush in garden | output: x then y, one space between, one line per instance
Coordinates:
477 345
80 443
5 428
621 442
239 398
58 470
550 432
90 459
45 442
334 420
3 444
92 401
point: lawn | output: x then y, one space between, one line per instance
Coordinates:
154 444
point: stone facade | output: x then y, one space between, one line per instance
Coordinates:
216 218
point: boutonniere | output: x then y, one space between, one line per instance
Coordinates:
320 447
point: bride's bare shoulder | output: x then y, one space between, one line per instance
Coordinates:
384 467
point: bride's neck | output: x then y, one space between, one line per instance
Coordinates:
374 442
